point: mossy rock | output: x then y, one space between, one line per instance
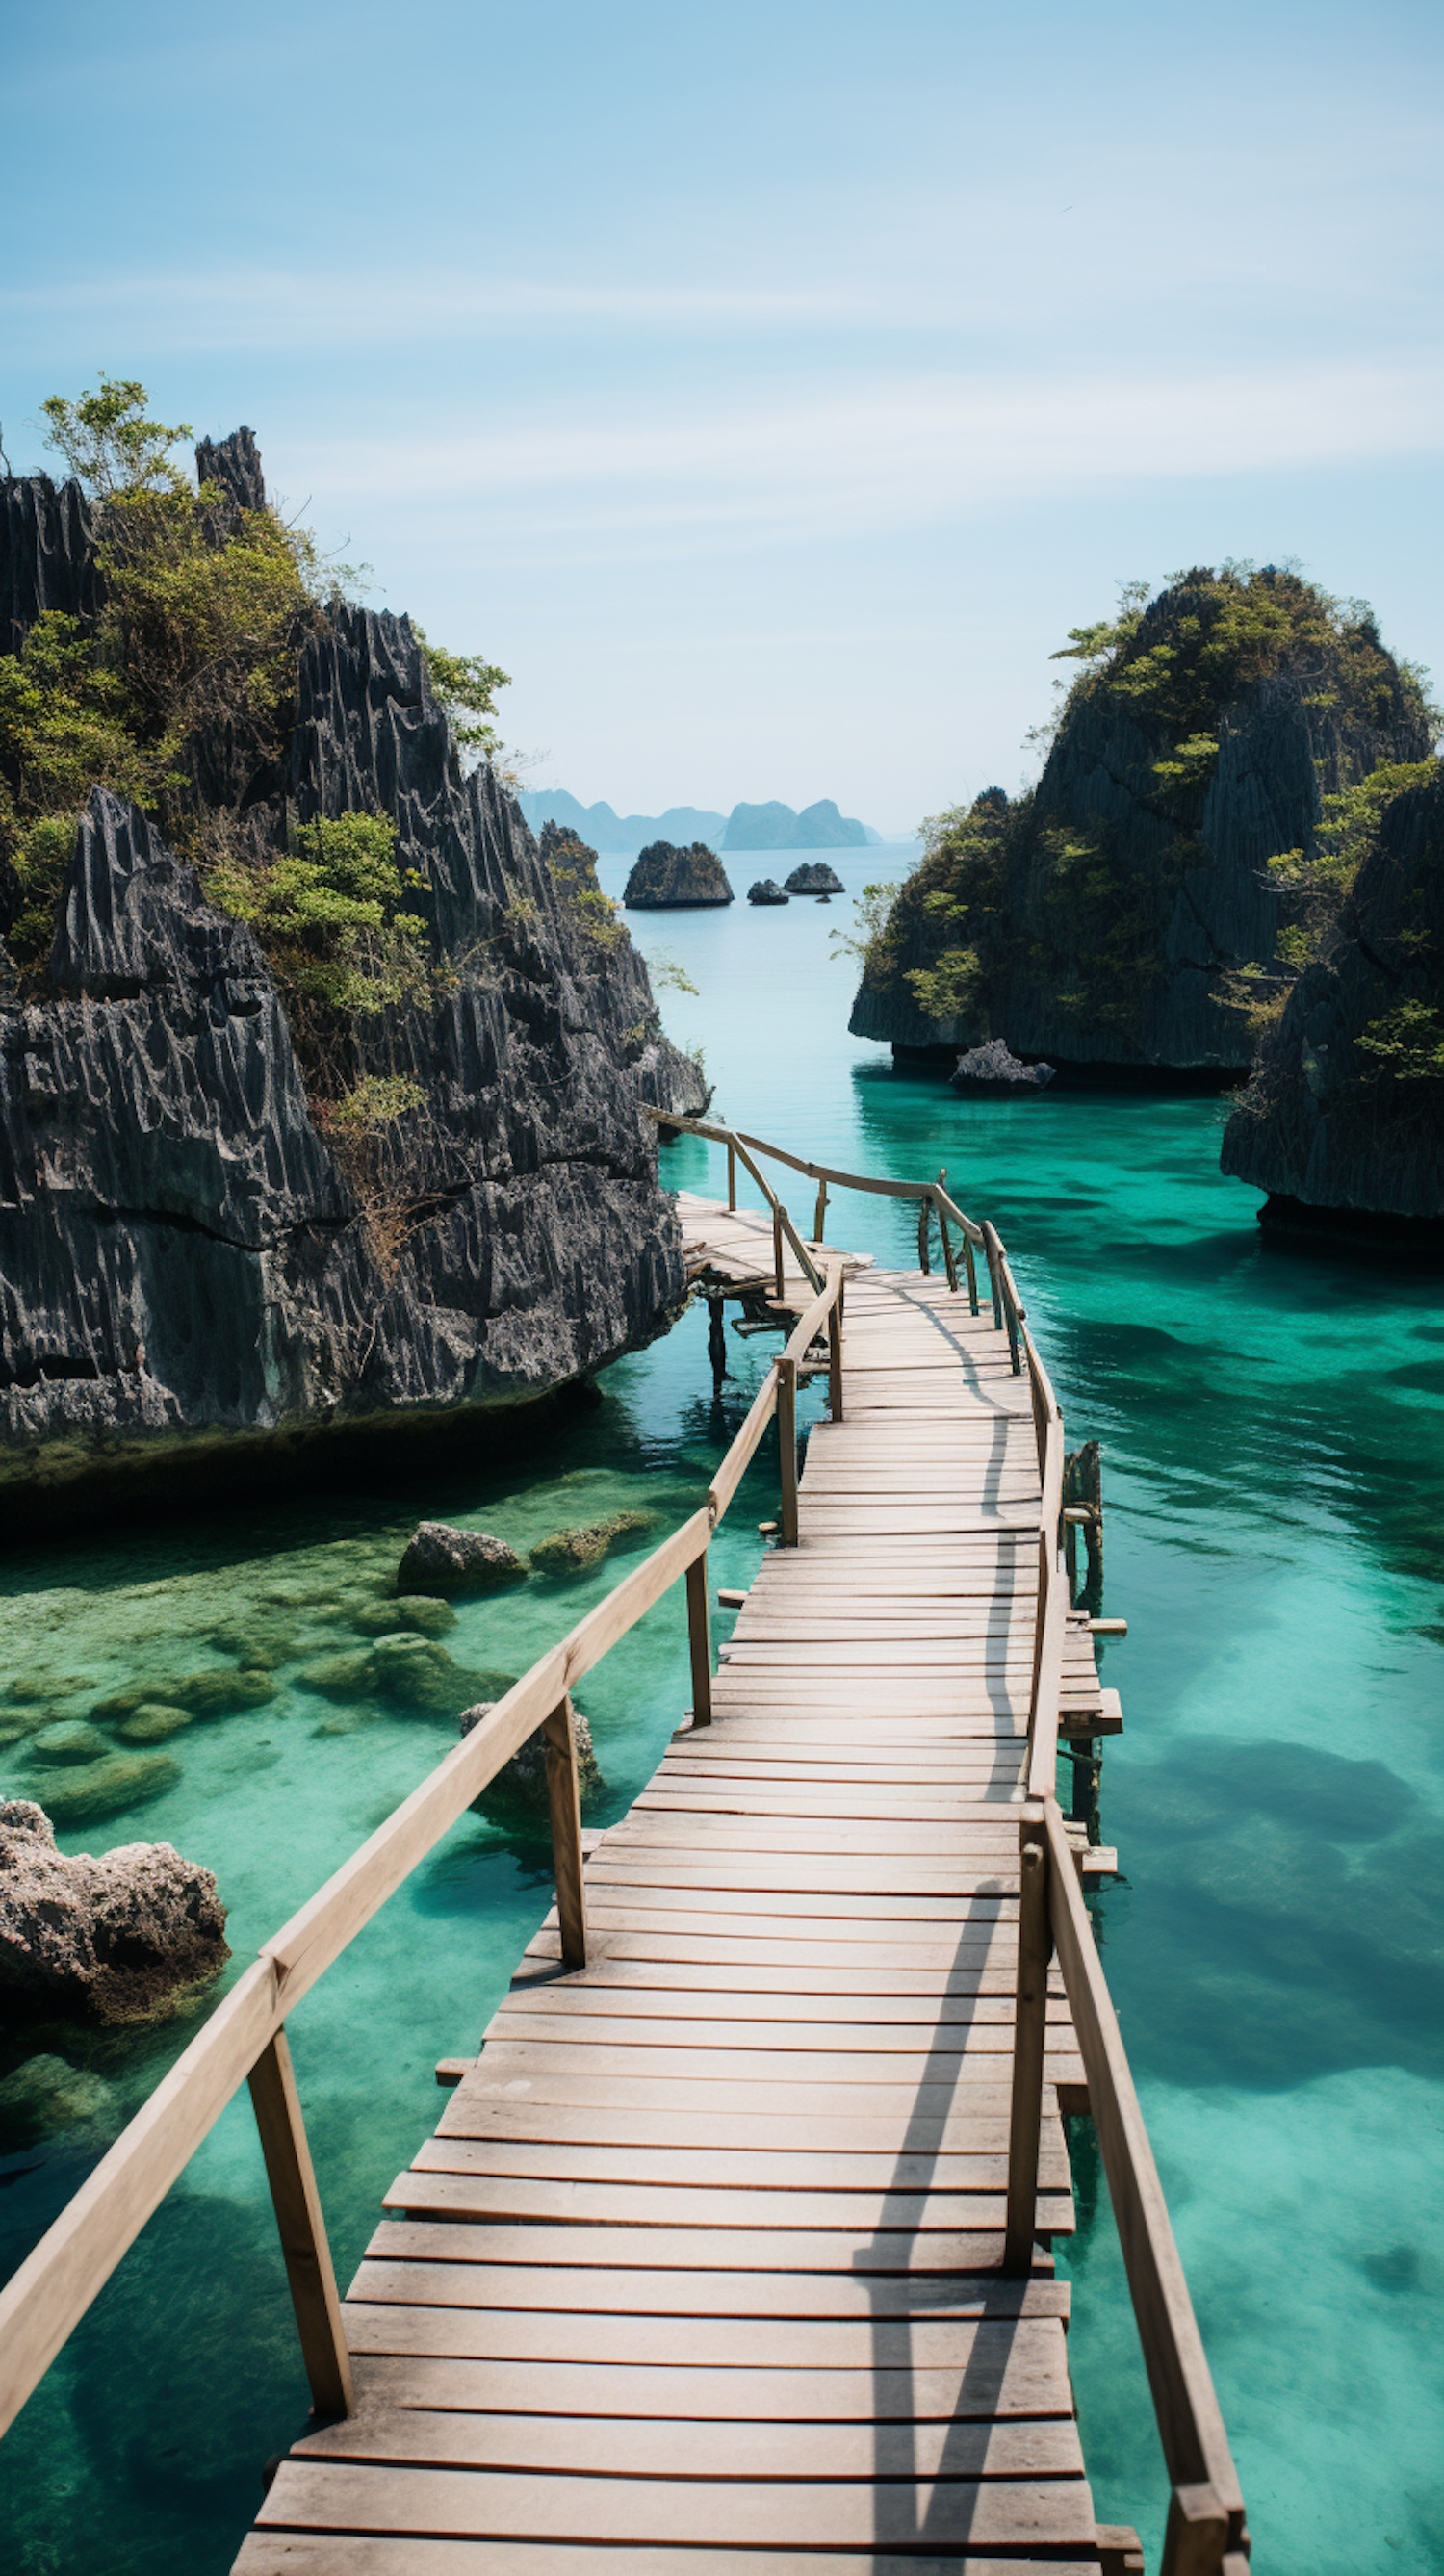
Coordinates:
517 1797
123 1703
48 2094
338 1676
153 1721
105 1788
414 1672
418 1611
576 1551
222 1694
71 1739
259 1648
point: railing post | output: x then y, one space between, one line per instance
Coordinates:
949 1263
820 1220
564 1800
787 1447
777 1243
1035 1949
731 1180
297 2205
834 1356
923 1263
991 1250
699 1640
972 1269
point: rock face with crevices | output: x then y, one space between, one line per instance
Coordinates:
183 1265
1330 1126
115 1938
666 879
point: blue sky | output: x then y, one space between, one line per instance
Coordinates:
768 388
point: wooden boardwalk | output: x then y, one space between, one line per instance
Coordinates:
702 2269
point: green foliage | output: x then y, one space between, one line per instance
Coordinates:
665 973
572 869
332 915
377 1100
111 445
868 938
1407 1043
465 687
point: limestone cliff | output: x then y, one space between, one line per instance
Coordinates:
1098 919
191 1262
1344 1115
666 879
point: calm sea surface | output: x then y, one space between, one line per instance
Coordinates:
1274 1486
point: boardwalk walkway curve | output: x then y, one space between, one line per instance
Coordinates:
731 2249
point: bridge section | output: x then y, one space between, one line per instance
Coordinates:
704 2266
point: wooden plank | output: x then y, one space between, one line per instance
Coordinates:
1011 2370
762 2174
456 2248
603 2004
323 2553
627 2206
639 2291
661 2510
578 2445
582 2337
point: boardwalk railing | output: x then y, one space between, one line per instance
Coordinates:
1206 2534
244 2039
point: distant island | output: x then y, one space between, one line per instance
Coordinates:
747 827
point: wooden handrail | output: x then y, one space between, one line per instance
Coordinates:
735 1137
1206 2510
49 2294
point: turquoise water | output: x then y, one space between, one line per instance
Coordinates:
1272 1475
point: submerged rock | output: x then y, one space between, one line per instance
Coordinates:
69 1740
994 1068
668 879
47 2094
814 878
117 1937
222 1694
153 1722
518 1794
425 1617
576 1551
765 890
109 1788
438 1558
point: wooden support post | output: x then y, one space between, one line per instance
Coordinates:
972 1269
566 1812
716 1343
731 1180
699 1640
991 1251
949 1264
923 1263
834 1358
777 1245
297 2205
820 1219
1035 1949
787 1447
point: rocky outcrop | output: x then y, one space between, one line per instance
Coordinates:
994 1071
1098 920
438 1558
517 1797
1344 1115
777 827
184 1265
814 878
122 1937
47 555
234 464
765 890
666 879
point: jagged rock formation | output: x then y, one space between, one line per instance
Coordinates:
765 890
666 879
667 1077
1343 1116
235 464
117 1938
1097 920
185 1264
995 1070
438 1558
776 827
814 878
47 555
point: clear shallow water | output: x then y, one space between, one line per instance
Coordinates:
1272 1476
